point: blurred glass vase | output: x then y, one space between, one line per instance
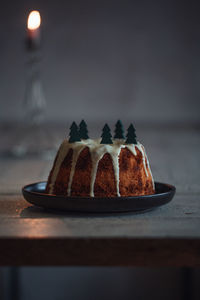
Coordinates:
34 138
34 101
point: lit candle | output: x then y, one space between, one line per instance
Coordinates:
33 30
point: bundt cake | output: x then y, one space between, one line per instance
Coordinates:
100 168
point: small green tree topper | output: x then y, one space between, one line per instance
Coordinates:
131 136
83 131
106 135
119 130
74 134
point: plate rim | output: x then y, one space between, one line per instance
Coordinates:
24 188
171 187
98 204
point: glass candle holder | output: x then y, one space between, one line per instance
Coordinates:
34 138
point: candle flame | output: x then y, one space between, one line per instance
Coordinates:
34 20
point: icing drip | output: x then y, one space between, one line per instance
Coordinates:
95 161
62 152
115 159
97 152
76 152
132 148
140 147
149 168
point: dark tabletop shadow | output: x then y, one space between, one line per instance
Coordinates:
39 212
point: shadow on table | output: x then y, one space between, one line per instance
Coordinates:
37 212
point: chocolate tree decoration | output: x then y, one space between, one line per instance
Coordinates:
119 130
131 136
74 134
83 131
106 135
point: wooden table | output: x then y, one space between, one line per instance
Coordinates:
166 236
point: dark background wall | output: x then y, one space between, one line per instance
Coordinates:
106 59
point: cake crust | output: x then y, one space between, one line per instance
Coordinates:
62 179
105 183
82 176
133 179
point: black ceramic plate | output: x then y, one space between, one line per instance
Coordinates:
35 194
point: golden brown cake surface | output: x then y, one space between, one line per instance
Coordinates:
91 169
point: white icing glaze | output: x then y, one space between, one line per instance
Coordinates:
76 152
97 152
149 167
62 152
